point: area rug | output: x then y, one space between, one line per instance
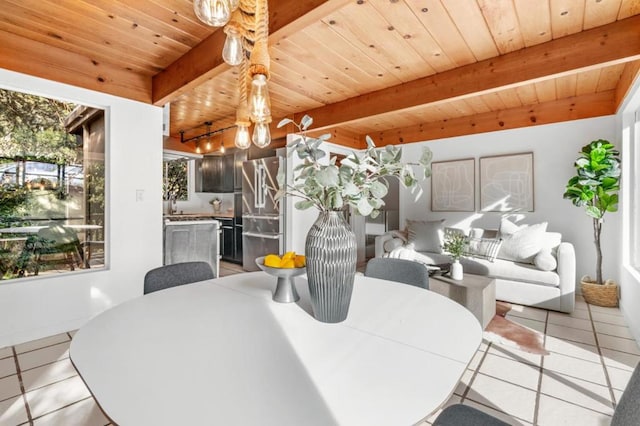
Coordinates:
508 333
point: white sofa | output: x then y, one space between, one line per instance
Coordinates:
544 276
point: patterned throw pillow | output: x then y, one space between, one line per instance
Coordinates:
485 248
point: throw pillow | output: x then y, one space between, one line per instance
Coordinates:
545 261
520 243
551 241
392 244
485 248
426 235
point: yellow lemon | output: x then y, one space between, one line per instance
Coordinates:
300 261
289 255
288 264
272 260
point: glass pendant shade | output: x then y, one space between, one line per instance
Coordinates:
261 135
222 147
213 12
232 52
242 140
259 102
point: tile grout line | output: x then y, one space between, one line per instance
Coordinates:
62 408
23 394
45 347
475 373
602 363
536 408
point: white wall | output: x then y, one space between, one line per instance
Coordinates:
555 147
36 307
629 275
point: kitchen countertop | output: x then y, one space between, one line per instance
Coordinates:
225 215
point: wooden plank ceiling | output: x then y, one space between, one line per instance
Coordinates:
399 70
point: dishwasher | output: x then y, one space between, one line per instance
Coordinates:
192 240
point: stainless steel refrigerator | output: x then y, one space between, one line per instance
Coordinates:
262 215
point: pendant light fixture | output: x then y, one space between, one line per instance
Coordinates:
213 12
261 134
259 102
246 25
233 51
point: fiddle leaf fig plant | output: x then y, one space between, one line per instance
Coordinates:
595 187
356 181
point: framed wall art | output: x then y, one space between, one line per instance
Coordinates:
453 185
506 183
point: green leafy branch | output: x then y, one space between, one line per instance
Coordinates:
357 181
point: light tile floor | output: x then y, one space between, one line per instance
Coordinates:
592 357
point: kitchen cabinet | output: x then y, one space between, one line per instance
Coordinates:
239 157
219 173
230 240
188 241
227 238
207 175
237 257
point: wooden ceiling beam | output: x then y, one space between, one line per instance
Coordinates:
606 45
629 75
204 61
573 108
41 60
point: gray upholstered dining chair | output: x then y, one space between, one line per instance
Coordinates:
627 411
400 270
176 274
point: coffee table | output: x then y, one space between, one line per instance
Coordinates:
475 292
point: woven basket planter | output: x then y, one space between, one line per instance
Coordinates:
600 294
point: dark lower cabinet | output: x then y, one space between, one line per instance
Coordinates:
230 240
227 238
238 248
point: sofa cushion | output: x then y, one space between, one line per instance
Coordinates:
483 233
512 271
500 268
392 244
545 261
426 235
485 248
520 243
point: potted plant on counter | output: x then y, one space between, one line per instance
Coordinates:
216 203
595 187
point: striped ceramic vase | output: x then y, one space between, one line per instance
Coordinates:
331 266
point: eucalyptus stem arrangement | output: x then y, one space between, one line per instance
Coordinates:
357 181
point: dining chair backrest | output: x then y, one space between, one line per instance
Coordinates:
400 270
627 411
176 274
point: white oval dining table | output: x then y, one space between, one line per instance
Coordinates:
222 352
